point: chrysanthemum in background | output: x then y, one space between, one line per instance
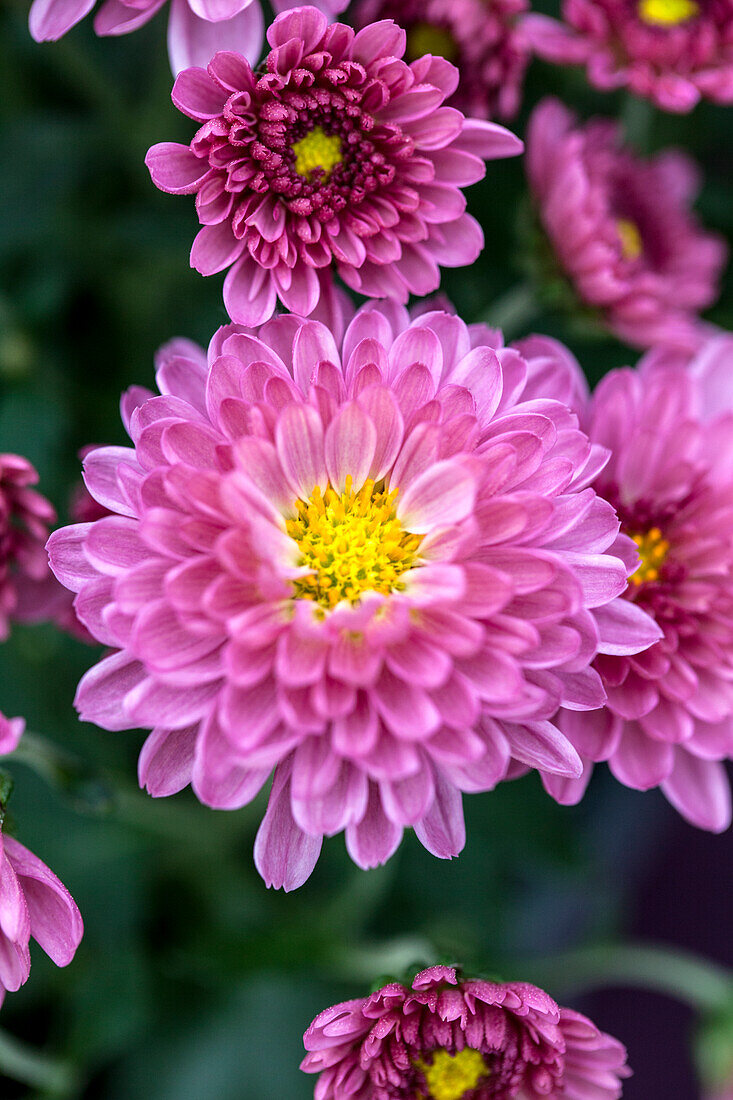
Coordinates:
668 720
28 590
484 41
32 900
674 52
338 154
196 28
369 566
453 1038
621 228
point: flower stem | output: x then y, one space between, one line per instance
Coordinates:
513 311
29 1066
697 982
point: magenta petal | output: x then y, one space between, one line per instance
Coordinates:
285 856
375 838
174 168
193 41
700 790
443 830
50 19
55 920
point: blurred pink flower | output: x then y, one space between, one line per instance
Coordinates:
196 28
34 903
621 228
28 590
368 564
484 42
454 1038
674 52
11 731
337 154
669 717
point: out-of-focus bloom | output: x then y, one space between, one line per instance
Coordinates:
454 1038
668 720
34 903
28 590
337 153
483 40
369 566
621 228
196 28
674 52
11 731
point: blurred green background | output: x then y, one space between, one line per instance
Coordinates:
193 981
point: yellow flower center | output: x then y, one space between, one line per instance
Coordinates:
653 550
425 38
317 150
351 542
667 13
450 1076
630 237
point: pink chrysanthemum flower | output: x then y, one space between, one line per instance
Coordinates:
28 590
337 153
454 1038
196 28
621 228
484 41
674 52
32 900
369 566
34 903
668 720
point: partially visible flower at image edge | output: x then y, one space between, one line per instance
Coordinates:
453 1038
337 154
485 42
668 719
33 902
621 228
196 28
372 565
674 52
29 592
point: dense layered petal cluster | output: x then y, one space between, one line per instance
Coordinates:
196 28
621 228
452 1038
369 566
337 154
484 41
34 903
28 590
674 52
669 716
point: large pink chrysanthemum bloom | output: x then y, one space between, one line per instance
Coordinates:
32 900
674 52
196 28
28 590
668 720
484 41
454 1038
621 228
370 566
337 153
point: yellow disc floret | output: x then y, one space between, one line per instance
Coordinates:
667 13
630 237
653 550
450 1076
317 150
351 542
425 38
